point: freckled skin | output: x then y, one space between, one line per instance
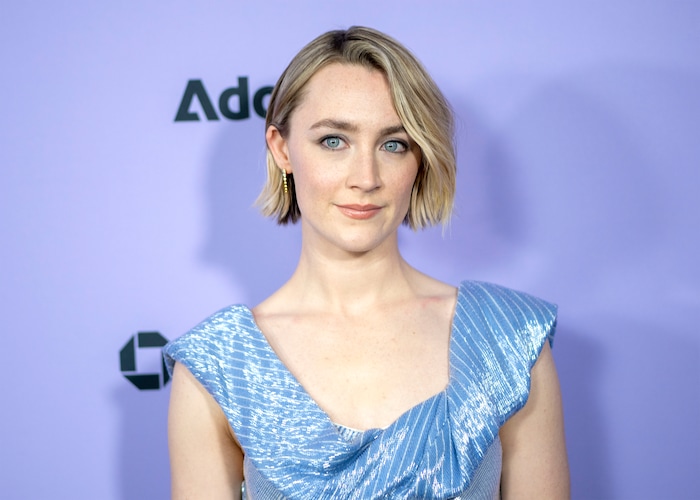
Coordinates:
341 154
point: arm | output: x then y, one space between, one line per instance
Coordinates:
205 460
534 452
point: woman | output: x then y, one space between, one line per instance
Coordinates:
361 377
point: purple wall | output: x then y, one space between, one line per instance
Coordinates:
578 148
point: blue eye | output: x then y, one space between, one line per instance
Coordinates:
394 146
331 142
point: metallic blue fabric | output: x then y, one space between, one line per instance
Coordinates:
433 451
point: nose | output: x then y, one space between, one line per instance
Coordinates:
363 172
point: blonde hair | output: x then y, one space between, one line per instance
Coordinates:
421 107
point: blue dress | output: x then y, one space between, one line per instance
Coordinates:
444 447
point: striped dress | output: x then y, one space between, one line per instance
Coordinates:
444 447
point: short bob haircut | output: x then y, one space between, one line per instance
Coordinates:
423 110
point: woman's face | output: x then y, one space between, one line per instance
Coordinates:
353 163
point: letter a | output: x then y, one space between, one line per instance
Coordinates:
195 88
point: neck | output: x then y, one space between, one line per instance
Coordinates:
348 283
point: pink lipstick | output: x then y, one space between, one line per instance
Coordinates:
359 212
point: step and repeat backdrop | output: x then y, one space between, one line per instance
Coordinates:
131 151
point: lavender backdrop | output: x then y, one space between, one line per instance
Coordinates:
578 148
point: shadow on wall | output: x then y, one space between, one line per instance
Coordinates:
604 163
144 470
643 384
254 252
487 224
580 364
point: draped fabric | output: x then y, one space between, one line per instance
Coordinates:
444 447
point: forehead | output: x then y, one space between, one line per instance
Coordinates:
347 92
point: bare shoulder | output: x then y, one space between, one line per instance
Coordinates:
434 292
431 286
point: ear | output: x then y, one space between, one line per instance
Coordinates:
278 147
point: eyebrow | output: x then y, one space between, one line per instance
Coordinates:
351 127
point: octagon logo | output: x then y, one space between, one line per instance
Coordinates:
144 350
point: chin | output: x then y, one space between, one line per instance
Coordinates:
363 245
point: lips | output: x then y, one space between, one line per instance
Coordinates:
359 212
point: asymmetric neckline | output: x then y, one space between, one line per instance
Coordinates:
429 400
446 446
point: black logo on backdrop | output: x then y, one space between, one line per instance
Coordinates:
127 361
195 90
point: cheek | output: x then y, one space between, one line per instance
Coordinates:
409 182
408 178
408 189
312 182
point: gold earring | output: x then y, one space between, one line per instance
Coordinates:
284 180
